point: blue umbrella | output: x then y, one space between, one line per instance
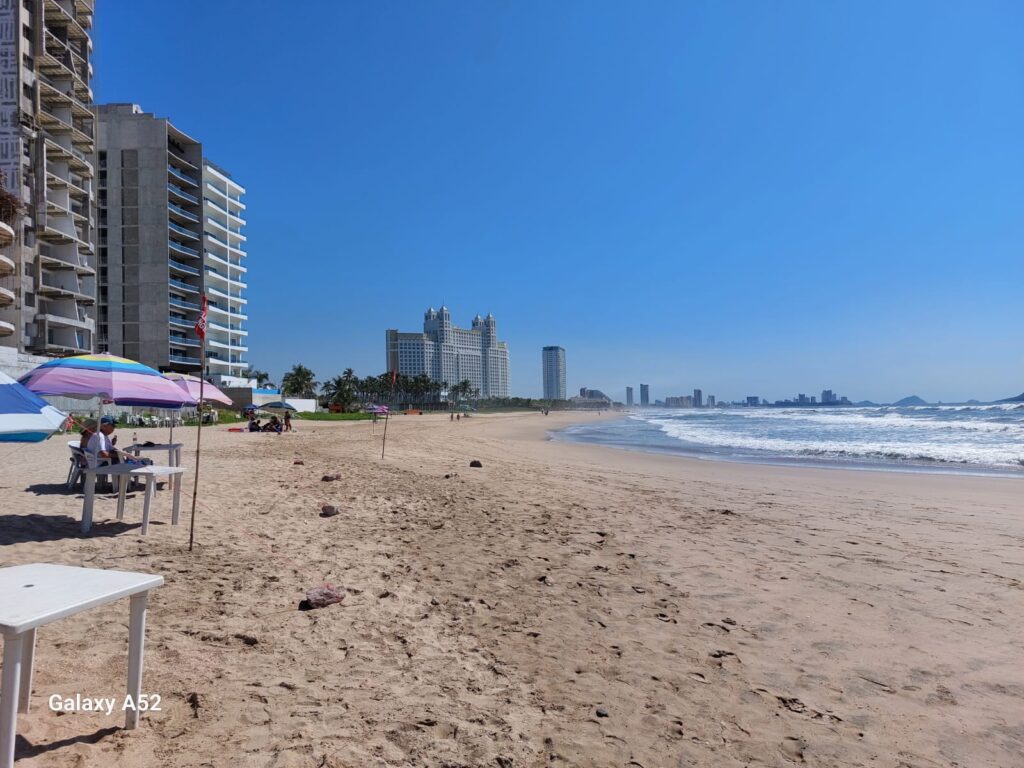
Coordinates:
278 405
24 416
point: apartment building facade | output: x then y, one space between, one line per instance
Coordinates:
450 354
553 360
170 230
47 143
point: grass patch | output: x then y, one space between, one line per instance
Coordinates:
332 416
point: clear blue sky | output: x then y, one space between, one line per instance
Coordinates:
749 197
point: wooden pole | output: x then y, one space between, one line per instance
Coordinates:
386 415
199 435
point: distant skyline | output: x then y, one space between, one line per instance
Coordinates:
748 198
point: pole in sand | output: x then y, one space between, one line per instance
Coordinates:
201 333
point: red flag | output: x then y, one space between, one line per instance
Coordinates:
201 322
394 377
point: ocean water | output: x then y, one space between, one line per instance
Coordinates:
987 439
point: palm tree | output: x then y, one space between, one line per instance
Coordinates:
262 377
338 391
300 381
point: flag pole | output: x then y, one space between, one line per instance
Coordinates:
394 377
201 332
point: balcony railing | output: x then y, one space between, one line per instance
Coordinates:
183 267
182 231
179 321
174 301
182 193
182 212
181 286
182 248
184 341
183 359
181 176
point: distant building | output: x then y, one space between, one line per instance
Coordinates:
554 373
645 394
629 395
828 396
698 399
711 401
753 401
591 398
450 355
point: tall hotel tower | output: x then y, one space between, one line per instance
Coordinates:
47 136
449 354
554 373
170 230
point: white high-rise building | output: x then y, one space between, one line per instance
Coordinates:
450 355
225 276
554 373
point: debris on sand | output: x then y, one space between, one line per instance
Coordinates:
475 463
328 510
330 478
321 597
298 461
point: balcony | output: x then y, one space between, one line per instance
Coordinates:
231 313
177 228
59 292
182 268
6 235
227 295
183 359
180 322
183 341
182 177
174 245
6 297
183 287
221 276
6 329
7 266
174 301
226 262
236 329
182 194
177 210
222 209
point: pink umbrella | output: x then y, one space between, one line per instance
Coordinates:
123 381
191 384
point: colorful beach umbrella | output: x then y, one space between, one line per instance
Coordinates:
25 417
191 385
123 381
277 406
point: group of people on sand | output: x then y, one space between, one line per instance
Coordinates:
99 445
274 425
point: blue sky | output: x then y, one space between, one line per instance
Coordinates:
748 197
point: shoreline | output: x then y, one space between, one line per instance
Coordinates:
717 614
851 465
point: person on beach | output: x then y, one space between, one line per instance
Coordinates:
101 445
254 424
287 421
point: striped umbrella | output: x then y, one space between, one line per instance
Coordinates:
24 416
123 381
191 384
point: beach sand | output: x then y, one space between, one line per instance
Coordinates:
563 605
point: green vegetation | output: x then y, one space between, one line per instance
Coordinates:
332 416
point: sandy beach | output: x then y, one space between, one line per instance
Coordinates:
563 605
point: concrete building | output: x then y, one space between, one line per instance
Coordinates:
47 140
645 394
170 230
450 355
711 401
590 398
629 396
698 399
554 373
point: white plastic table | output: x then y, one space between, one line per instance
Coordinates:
173 451
34 595
151 473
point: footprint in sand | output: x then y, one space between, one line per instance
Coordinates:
793 748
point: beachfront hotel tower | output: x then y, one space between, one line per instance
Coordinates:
554 373
47 138
450 355
170 230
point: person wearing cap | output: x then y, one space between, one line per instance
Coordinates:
100 445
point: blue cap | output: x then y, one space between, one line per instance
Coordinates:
108 420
